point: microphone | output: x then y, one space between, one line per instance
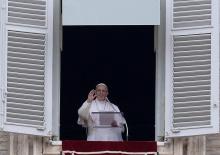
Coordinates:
126 126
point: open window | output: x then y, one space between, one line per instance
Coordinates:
123 57
110 42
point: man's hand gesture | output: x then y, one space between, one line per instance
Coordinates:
91 96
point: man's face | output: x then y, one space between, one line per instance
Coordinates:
101 92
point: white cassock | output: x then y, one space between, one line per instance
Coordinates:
89 120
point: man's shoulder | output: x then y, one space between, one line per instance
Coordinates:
115 106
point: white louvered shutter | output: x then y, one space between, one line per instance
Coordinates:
192 67
27 47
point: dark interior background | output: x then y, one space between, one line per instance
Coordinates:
122 57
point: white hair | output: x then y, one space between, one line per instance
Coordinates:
102 84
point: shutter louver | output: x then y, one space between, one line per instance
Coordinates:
27 66
27 12
191 95
190 13
192 67
25 78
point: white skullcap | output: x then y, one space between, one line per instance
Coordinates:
102 84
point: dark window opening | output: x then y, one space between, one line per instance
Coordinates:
122 57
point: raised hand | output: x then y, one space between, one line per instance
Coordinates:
91 96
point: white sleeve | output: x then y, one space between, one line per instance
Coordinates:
83 113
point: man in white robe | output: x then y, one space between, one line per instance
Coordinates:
97 102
